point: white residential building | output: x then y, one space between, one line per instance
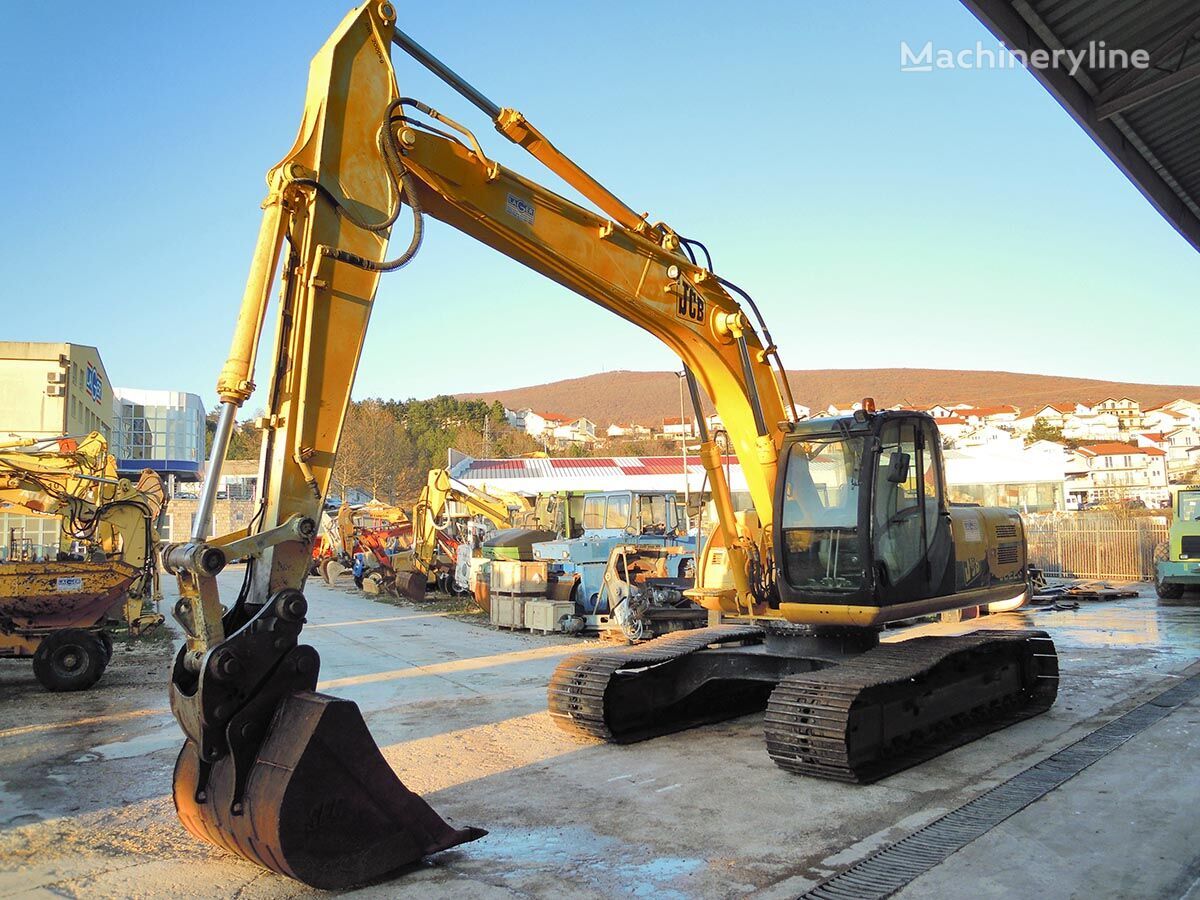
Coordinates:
536 424
630 430
989 415
578 431
982 435
677 428
1108 472
1179 444
1165 418
1127 411
1188 408
944 412
1086 425
952 428
843 408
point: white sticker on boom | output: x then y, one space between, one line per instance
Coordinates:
66 583
971 530
519 209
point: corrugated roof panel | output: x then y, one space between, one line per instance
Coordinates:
497 464
1153 138
582 463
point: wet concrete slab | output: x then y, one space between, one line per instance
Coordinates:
459 711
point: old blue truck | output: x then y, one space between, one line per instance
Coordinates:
624 521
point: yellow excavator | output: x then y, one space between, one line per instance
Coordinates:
55 611
850 527
502 508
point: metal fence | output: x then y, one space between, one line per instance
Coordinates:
1097 545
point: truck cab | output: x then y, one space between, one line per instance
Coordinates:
611 519
1178 566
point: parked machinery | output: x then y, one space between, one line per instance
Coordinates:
1177 563
628 567
503 509
55 611
850 528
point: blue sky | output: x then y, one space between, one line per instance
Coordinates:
953 219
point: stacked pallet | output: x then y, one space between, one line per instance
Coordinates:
512 585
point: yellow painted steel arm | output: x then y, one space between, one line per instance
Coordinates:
441 488
242 688
653 286
343 171
334 180
640 275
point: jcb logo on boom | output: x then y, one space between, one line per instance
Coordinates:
688 303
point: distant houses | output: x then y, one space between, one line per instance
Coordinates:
1113 450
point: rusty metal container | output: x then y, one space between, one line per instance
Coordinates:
37 598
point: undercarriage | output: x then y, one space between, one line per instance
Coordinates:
838 704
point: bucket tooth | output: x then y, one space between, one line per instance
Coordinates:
320 805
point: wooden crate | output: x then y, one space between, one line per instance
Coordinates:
508 611
517 577
544 615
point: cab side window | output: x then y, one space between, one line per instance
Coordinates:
618 512
897 503
593 513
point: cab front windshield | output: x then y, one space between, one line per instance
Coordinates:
1189 506
821 540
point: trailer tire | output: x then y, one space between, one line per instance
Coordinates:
69 660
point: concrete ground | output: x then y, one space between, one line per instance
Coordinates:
459 710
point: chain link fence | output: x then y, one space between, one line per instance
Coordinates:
1096 545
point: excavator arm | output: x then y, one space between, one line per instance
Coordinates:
428 519
265 754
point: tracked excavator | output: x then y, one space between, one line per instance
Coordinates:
850 528
503 509
56 611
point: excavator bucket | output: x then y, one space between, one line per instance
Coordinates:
320 803
411 585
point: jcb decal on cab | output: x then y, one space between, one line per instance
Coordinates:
688 303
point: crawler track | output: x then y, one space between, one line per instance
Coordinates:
581 693
903 703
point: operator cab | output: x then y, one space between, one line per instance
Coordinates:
635 514
863 518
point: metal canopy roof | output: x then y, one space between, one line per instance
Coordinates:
1147 120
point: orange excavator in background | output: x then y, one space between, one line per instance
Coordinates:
850 527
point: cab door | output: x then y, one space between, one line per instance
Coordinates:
912 541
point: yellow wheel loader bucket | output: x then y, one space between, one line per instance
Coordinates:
320 804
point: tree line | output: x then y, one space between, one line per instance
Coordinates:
389 446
